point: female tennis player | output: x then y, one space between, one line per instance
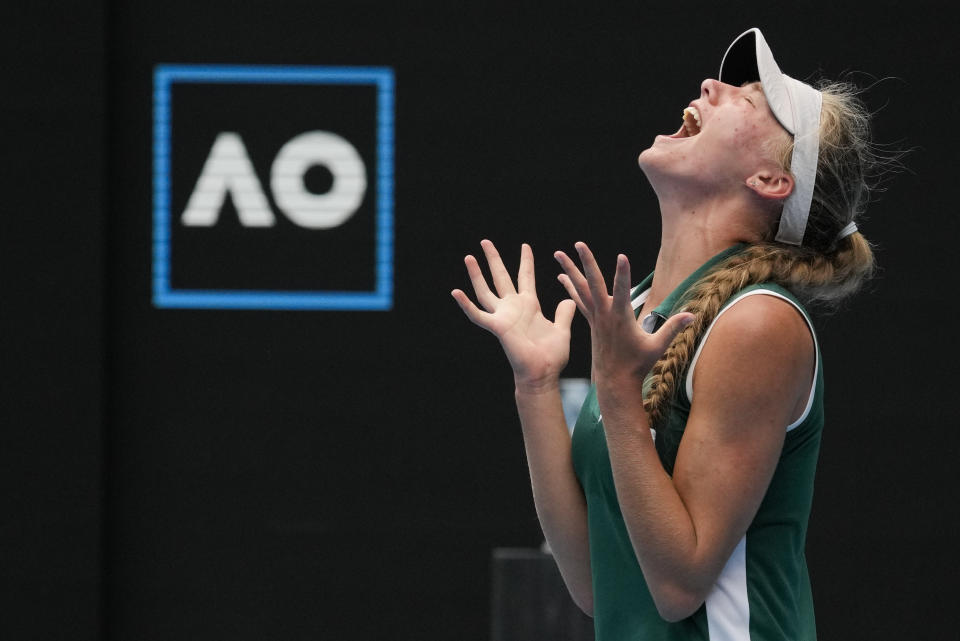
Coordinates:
679 508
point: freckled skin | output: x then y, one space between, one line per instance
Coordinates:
733 118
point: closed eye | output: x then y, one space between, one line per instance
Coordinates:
756 86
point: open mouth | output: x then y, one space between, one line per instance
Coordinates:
691 122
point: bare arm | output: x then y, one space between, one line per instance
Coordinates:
561 506
752 374
538 350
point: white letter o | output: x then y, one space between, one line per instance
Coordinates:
318 211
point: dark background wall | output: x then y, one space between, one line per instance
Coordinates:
279 474
52 354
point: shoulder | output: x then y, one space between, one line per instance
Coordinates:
763 342
760 316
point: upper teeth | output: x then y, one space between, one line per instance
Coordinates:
691 120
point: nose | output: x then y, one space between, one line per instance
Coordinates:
710 90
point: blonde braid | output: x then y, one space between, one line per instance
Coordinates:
823 269
810 275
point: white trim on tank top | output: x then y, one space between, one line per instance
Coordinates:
728 604
816 367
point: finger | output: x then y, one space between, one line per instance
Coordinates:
564 314
621 286
473 312
598 287
501 278
673 326
526 278
480 287
572 292
580 291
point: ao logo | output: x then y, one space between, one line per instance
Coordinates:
247 139
228 170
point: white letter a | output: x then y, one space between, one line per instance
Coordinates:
228 169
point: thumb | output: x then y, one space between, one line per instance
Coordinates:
673 326
564 314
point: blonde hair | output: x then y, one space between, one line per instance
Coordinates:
822 269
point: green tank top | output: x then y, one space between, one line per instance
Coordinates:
763 592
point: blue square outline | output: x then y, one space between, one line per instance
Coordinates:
381 298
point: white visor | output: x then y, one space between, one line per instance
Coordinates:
797 106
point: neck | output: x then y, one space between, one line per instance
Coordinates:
693 231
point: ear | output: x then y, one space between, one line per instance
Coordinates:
773 185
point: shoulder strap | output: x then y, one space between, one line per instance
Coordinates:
766 291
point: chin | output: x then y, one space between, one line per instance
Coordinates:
647 160
644 156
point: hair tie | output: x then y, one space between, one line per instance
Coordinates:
846 231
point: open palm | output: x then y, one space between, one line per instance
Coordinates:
536 347
618 342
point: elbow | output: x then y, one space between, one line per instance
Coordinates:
676 603
673 612
582 597
584 602
580 590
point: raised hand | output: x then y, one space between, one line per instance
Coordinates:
620 345
536 347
